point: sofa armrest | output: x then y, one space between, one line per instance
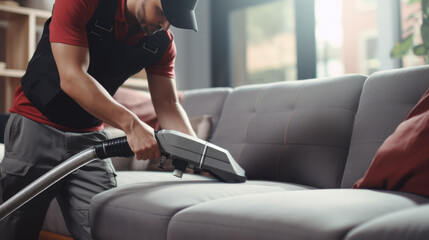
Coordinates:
1 151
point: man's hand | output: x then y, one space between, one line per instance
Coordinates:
142 141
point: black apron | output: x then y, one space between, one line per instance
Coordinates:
111 64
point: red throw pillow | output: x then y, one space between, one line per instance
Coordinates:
402 161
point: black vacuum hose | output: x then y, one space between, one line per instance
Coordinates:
117 147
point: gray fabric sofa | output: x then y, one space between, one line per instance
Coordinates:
303 145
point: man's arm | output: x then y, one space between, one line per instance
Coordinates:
72 63
170 112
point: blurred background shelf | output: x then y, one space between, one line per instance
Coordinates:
20 29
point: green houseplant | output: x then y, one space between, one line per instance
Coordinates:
409 40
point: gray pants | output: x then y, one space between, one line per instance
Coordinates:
32 149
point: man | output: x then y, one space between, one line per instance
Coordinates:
87 50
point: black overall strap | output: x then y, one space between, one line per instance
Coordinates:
105 15
154 43
111 63
103 21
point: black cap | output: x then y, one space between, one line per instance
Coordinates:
181 13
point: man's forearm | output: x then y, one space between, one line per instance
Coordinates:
91 96
171 114
174 117
72 63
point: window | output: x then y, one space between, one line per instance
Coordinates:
369 62
329 38
410 24
281 40
365 5
346 37
264 43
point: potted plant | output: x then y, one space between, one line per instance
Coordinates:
417 41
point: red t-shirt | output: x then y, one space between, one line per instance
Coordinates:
68 26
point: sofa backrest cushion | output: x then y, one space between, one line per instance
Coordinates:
402 161
386 100
296 131
201 104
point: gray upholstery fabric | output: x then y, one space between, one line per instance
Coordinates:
1 151
287 136
207 101
54 220
143 210
316 214
406 224
295 132
387 98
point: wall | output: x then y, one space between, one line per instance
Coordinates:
193 62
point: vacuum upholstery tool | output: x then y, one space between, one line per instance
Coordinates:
194 153
184 151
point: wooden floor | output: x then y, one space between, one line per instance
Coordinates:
52 236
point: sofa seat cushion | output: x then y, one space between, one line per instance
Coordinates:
131 177
54 221
143 210
316 214
405 224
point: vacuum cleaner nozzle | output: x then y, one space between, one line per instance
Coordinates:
184 151
188 151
